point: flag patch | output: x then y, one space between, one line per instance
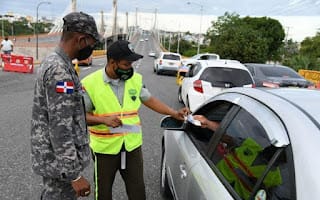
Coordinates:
65 87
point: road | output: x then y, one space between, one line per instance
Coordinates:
16 89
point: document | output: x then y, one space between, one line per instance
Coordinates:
126 128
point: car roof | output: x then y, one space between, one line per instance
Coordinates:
266 65
222 63
166 52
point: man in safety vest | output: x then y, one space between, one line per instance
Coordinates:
113 97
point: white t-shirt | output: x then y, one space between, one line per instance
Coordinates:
6 45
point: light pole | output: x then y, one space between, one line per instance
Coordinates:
36 25
201 11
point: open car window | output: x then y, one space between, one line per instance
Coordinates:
249 163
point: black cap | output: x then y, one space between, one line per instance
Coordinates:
82 23
122 50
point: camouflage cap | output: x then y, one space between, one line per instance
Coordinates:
82 23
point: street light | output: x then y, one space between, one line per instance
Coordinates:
36 25
201 10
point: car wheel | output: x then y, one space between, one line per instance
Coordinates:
179 96
154 69
164 186
158 71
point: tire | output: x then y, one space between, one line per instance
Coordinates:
164 186
158 71
179 95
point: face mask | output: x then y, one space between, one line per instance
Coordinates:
84 53
124 74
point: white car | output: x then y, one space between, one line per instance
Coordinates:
167 61
264 149
201 56
209 77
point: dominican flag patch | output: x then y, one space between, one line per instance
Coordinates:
65 87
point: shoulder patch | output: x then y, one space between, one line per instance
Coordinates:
65 87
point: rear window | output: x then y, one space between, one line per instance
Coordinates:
226 77
171 57
279 72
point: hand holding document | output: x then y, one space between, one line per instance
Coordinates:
193 121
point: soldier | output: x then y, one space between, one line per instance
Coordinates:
59 138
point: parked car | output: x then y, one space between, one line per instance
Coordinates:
210 77
86 62
275 76
264 148
167 61
201 56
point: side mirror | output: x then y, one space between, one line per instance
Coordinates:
169 122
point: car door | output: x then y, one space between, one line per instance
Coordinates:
196 179
187 82
251 154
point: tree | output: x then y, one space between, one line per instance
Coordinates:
246 39
310 48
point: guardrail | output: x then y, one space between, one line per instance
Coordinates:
98 53
311 75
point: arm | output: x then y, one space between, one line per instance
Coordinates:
205 123
112 121
162 108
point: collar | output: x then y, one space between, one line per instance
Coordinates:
107 79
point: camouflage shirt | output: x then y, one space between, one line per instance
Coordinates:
59 137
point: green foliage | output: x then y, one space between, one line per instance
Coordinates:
298 62
246 39
310 48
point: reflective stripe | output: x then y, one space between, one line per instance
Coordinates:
119 114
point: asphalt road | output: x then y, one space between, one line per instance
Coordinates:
17 182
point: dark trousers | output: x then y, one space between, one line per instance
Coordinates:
106 167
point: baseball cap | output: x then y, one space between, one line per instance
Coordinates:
122 50
82 23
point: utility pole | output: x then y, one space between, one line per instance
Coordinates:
136 17
114 27
73 5
169 42
126 31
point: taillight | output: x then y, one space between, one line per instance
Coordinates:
197 85
160 62
270 85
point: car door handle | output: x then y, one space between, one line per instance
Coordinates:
183 172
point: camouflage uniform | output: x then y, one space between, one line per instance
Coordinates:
59 138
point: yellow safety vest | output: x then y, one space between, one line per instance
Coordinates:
242 160
106 104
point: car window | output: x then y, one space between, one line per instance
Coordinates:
171 57
204 57
216 112
226 77
250 163
279 72
212 57
193 70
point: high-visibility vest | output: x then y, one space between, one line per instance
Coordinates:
237 166
106 103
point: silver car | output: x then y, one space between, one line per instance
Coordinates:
265 147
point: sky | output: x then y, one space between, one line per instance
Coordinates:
300 18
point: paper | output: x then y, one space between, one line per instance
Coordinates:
193 121
126 128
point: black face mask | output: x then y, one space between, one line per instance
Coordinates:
124 74
84 53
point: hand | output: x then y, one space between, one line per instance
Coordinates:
205 123
81 187
180 114
112 121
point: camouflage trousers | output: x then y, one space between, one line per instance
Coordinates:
57 190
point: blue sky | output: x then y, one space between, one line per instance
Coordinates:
216 7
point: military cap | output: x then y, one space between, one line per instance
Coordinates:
122 49
82 23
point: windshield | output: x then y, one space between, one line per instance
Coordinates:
226 77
